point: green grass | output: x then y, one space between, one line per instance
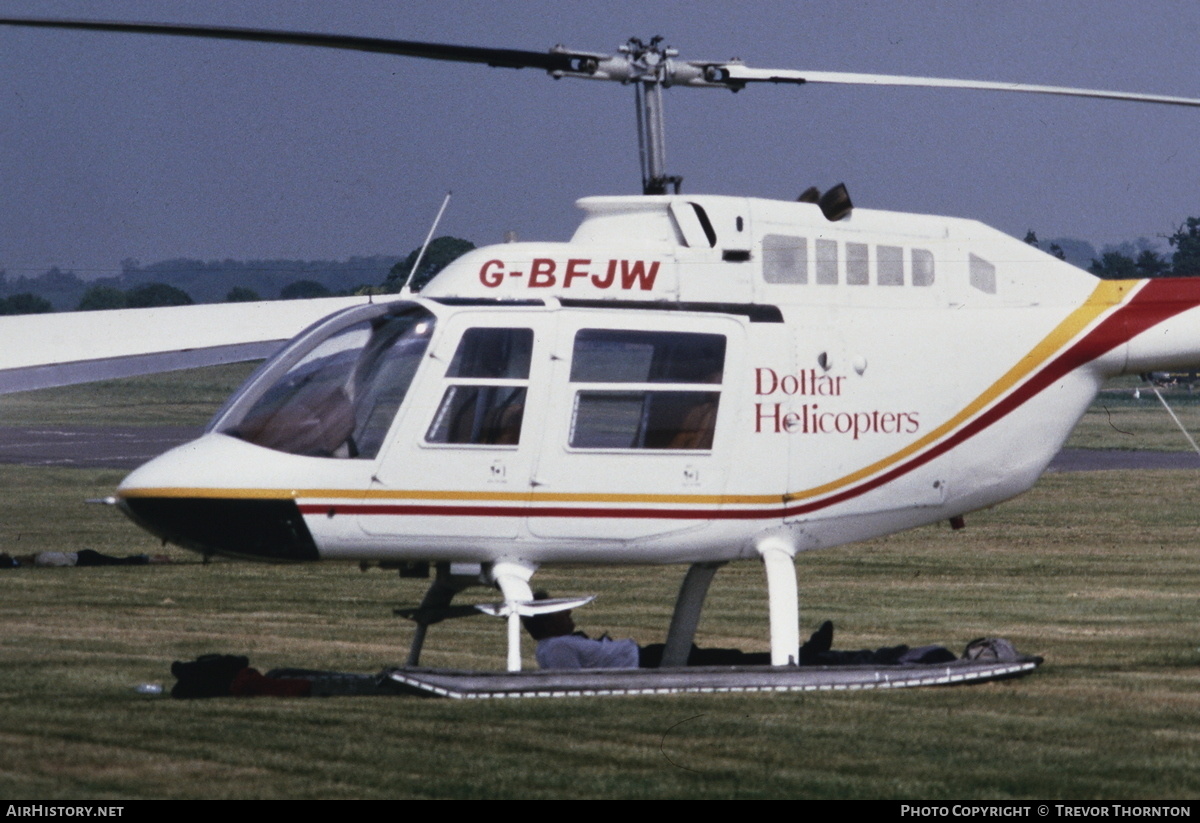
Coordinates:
185 398
1118 420
1097 572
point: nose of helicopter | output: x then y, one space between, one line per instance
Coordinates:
204 496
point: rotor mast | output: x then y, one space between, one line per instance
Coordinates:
652 62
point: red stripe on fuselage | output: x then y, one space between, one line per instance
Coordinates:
1157 301
538 511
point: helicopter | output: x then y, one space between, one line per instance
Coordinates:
690 379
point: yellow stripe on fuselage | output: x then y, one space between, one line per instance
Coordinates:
1106 295
467 496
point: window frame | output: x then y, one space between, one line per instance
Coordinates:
651 394
452 382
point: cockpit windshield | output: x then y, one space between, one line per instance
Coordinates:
336 393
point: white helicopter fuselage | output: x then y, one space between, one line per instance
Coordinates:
686 379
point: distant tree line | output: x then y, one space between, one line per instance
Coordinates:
102 296
1133 261
25 303
182 282
441 252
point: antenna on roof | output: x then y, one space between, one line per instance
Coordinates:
404 289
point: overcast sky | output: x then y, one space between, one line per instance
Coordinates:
127 146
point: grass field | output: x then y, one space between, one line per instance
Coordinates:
1116 420
187 398
1098 572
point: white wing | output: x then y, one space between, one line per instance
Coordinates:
42 350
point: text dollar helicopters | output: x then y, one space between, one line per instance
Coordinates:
690 379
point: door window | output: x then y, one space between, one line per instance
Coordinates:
485 401
645 389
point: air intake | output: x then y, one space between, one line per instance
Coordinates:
835 203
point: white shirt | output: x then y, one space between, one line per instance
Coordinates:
574 651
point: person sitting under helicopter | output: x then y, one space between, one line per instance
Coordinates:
560 646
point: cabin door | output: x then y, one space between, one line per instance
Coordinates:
638 440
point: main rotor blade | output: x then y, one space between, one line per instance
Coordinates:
563 62
736 75
502 58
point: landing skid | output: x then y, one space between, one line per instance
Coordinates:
513 581
473 685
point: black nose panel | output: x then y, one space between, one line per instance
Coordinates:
256 529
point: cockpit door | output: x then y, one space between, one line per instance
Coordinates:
459 460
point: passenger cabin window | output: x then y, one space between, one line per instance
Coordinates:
785 259
485 402
890 260
645 389
983 275
827 262
858 266
922 267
